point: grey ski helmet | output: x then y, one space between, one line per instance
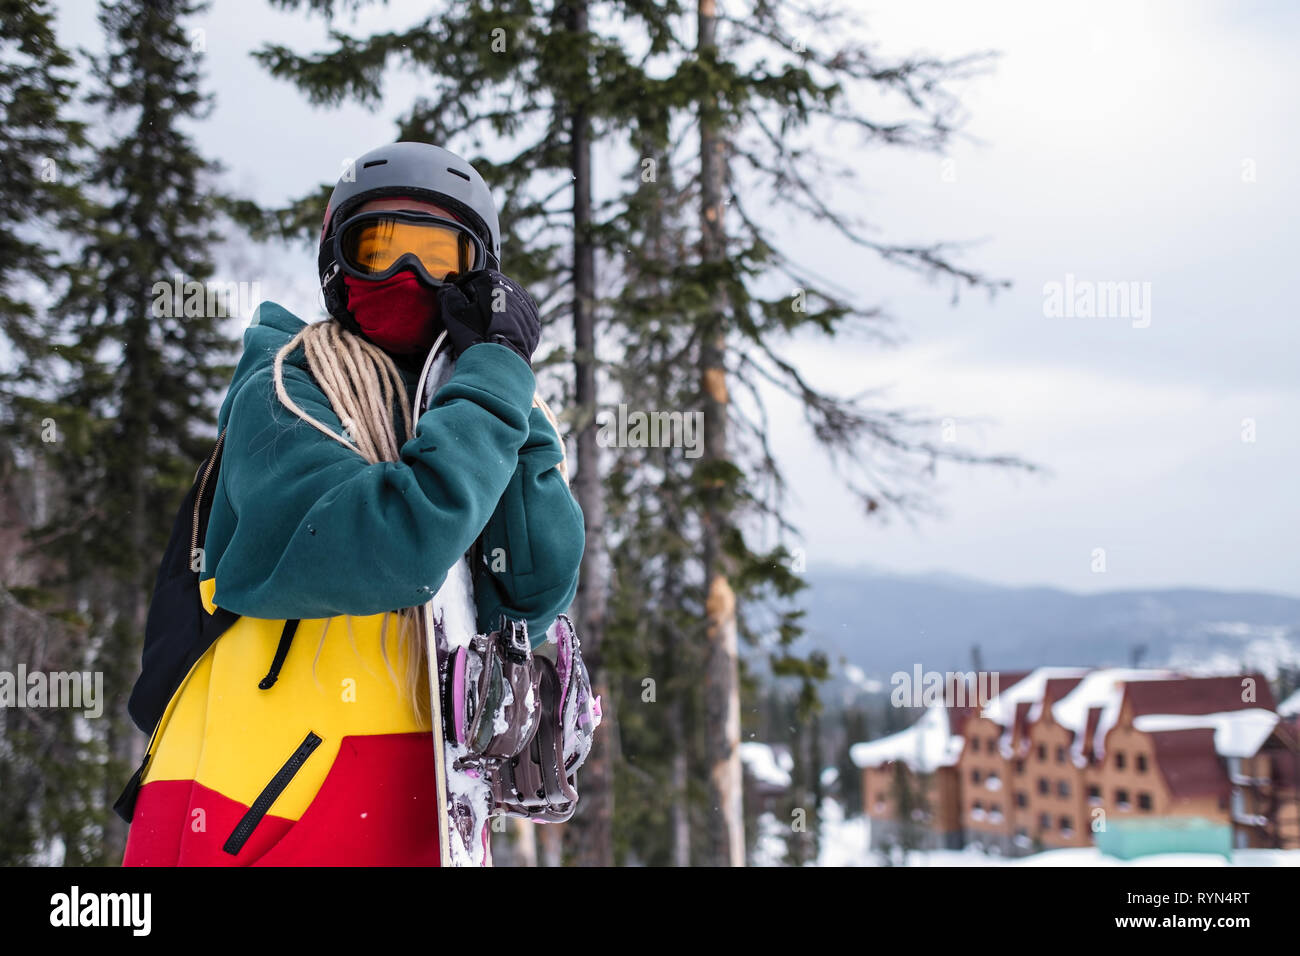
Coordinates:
404 169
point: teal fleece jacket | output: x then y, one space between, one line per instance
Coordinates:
302 527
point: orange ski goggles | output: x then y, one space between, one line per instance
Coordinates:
377 245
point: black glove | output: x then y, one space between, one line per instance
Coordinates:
486 306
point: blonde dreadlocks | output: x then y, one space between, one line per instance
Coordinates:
360 381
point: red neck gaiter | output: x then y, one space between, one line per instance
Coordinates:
399 314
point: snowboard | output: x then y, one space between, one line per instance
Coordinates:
449 621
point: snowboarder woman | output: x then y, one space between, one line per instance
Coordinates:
336 508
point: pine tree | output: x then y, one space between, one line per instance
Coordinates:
38 193
655 604
45 800
136 408
911 807
855 725
754 89
688 321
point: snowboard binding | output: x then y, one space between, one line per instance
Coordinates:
521 721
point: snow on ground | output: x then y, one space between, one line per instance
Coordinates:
844 842
769 847
1091 856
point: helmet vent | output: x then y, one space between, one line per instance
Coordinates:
457 172
374 162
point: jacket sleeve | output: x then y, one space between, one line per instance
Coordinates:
321 532
533 543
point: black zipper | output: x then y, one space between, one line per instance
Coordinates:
239 836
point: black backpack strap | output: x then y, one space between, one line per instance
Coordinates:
281 652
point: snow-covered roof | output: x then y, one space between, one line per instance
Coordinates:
1237 733
767 765
1291 706
1028 692
1103 689
1002 708
925 746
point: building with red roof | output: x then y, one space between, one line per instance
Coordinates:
1061 753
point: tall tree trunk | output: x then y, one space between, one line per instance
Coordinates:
681 818
550 842
674 651
818 790
721 683
592 827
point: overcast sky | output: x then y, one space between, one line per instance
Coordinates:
1151 142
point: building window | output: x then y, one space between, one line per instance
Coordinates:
1142 763
993 744
1121 800
1045 822
1119 760
1022 798
1144 802
1066 826
975 745
1020 768
1060 755
1042 752
1094 793
1063 788
975 775
1043 786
